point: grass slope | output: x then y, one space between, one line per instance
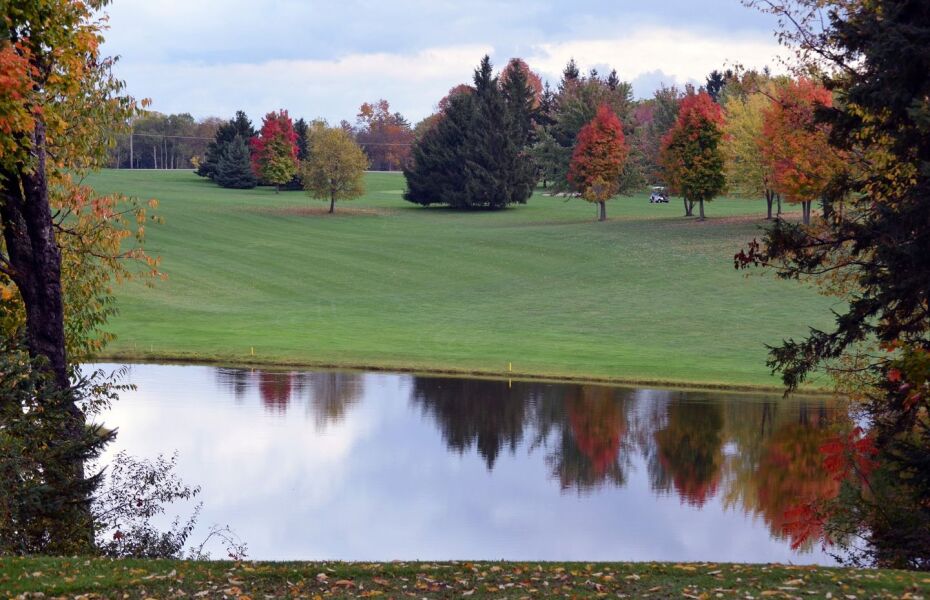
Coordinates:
648 296
75 577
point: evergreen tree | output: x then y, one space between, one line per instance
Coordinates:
475 156
234 168
520 100
241 126
437 171
301 128
613 81
498 170
570 75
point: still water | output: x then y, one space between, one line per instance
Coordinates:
370 466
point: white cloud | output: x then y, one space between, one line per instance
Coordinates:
414 81
333 89
679 54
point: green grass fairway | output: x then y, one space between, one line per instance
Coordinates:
648 296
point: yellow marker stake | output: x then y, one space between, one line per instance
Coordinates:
253 350
510 367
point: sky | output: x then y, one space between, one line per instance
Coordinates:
324 59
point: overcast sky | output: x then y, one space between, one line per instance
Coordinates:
323 59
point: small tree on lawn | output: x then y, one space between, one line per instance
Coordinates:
335 167
691 152
274 150
598 159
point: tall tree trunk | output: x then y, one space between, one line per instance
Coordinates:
332 204
827 208
35 260
778 198
602 211
35 267
687 208
806 212
769 199
701 201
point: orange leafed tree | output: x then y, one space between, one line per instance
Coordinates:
796 146
598 159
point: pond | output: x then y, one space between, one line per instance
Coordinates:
371 466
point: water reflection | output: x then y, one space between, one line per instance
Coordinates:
564 471
328 395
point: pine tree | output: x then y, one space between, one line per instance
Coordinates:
520 100
437 170
301 128
475 156
234 168
241 126
499 172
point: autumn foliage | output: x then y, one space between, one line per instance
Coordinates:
274 149
691 153
796 146
598 159
385 137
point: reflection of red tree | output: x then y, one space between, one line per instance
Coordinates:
690 450
691 481
598 426
275 390
791 474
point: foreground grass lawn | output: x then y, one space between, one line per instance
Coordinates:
169 579
646 297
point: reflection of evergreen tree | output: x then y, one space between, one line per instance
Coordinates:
481 413
594 430
234 380
689 451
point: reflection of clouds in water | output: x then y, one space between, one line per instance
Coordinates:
363 469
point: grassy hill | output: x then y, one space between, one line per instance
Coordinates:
648 296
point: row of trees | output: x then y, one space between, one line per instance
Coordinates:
748 131
178 141
324 161
159 141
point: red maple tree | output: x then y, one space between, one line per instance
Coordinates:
274 149
598 159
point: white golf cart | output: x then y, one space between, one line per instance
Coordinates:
659 195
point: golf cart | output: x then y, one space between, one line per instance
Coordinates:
659 195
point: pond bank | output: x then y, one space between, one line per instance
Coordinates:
44 577
438 371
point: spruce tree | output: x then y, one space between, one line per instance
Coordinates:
498 171
436 173
241 126
234 168
475 156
